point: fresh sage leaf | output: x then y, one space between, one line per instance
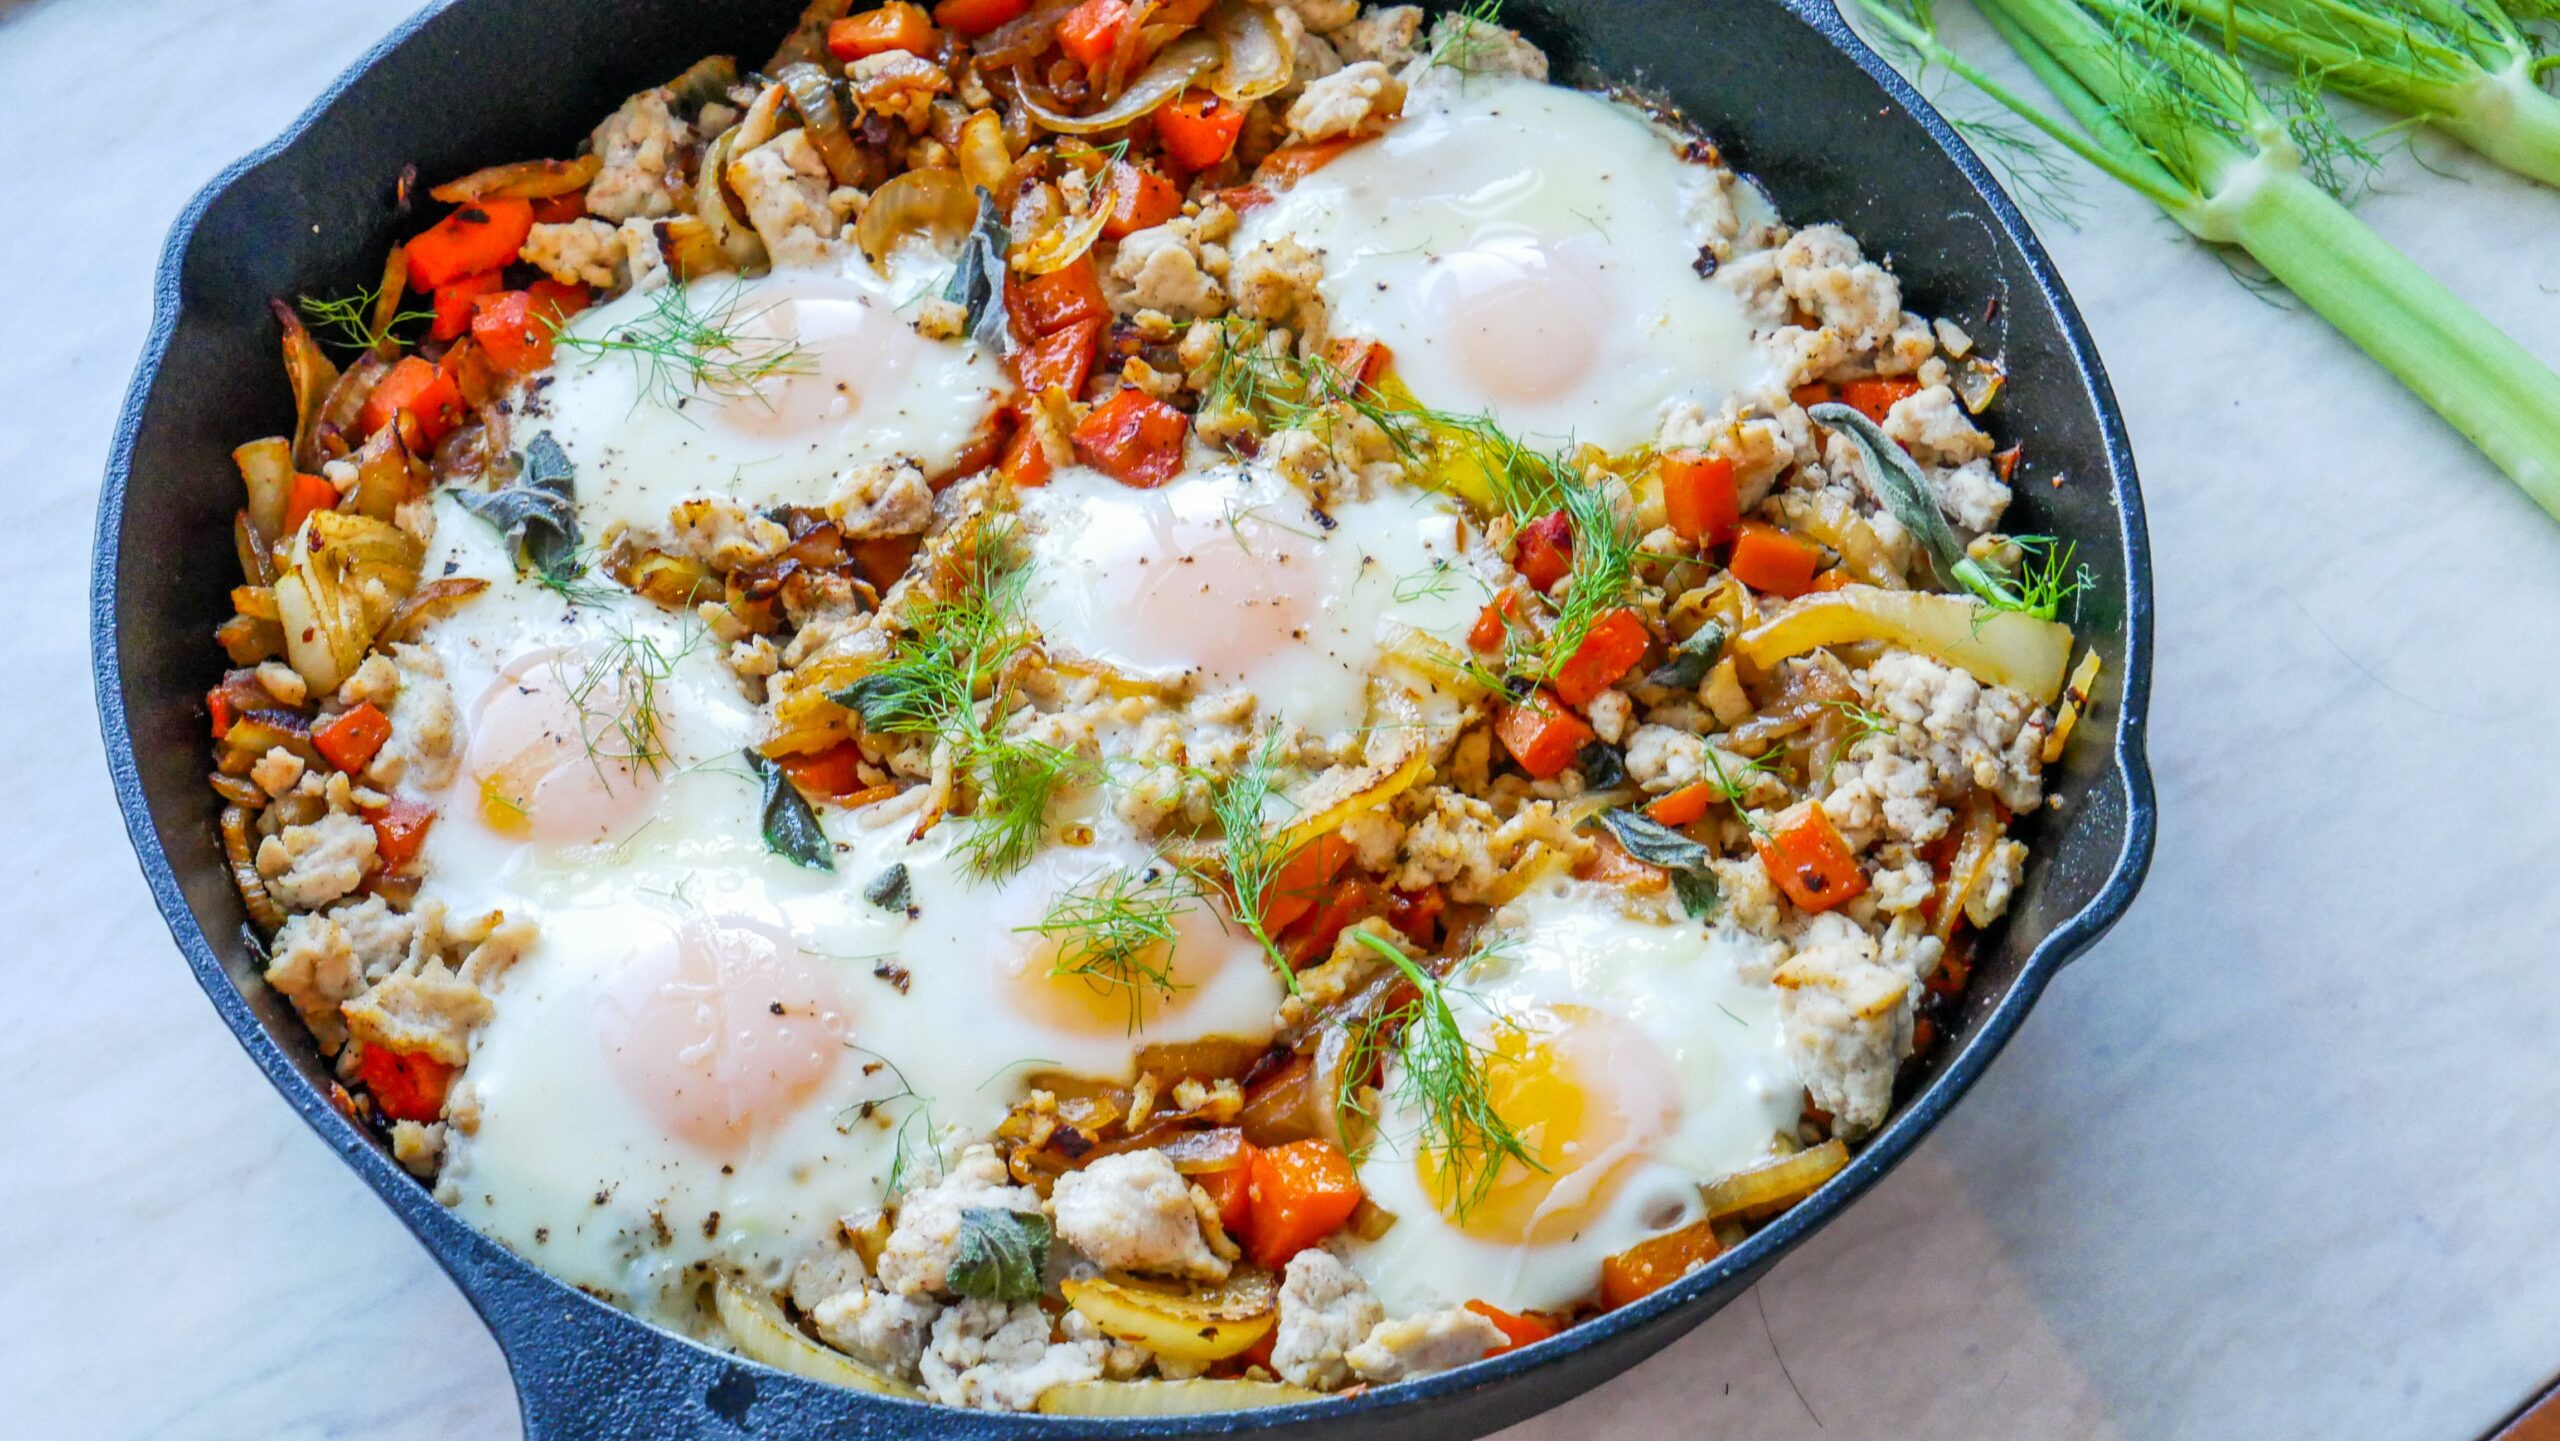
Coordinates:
1897 485
791 829
1691 659
538 511
978 283
1000 1254
1656 844
891 890
887 700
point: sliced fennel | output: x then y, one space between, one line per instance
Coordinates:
2464 66
2181 123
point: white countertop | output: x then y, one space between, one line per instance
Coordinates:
2277 1159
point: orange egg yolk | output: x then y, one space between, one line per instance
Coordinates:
1183 580
1522 320
721 1030
1587 1096
1116 980
560 751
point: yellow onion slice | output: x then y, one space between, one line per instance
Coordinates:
1257 54
1767 1189
521 180
763 1333
935 206
1166 76
1167 1398
1998 647
1203 1326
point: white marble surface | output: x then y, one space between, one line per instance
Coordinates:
2276 1160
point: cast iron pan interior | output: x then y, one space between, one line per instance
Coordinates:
1794 99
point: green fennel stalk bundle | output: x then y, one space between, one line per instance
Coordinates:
2181 123
2467 67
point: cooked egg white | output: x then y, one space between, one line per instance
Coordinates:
709 1054
1634 1060
1228 577
826 371
1524 251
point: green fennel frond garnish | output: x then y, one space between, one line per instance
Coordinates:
1728 785
685 346
1442 1075
350 320
1116 932
1604 565
945 678
1463 44
1251 851
2048 577
616 697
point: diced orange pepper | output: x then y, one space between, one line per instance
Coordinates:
1517 1330
1610 649
1290 164
1874 397
1026 460
418 391
1134 438
1301 880
1656 1262
1061 359
1302 1192
558 298
1045 304
1543 551
217 704
309 493
1815 393
894 26
1811 863
835 771
406 1085
977 17
1684 806
1835 578
453 304
1493 624
1231 1187
1197 129
400 831
560 209
479 237
515 329
1698 497
1091 30
351 739
1140 200
1766 558
1541 734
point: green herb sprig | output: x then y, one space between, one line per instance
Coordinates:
1440 1073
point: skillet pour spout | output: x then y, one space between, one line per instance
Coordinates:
1793 100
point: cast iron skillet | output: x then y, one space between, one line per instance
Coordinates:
1795 100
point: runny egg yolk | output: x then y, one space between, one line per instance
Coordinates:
1522 317
557 749
1091 983
1587 1095
720 1030
1200 582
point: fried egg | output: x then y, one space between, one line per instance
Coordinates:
709 1053
1527 252
822 370
1634 1060
1228 577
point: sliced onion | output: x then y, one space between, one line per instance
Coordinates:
308 371
936 206
1195 1153
1165 77
813 94
1167 1398
735 238
521 180
430 602
266 472
385 475
1199 1326
704 81
1998 647
1978 834
1767 1189
1065 240
1260 53
1023 38
985 159
237 851
344 405
764 1334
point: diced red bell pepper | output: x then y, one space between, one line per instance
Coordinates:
1134 438
977 17
406 1085
1495 622
1699 498
1197 129
835 771
1061 359
1301 881
1541 734
515 338
1416 914
309 493
1611 648
1811 862
427 398
351 739
1346 902
400 831
453 304
482 236
1543 551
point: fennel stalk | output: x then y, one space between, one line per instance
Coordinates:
2181 123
